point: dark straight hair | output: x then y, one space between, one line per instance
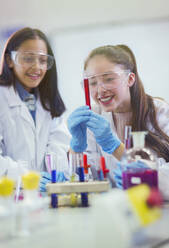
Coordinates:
143 108
48 88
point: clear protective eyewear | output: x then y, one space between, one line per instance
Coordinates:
108 80
28 59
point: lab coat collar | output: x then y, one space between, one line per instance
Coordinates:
24 93
42 115
15 101
13 97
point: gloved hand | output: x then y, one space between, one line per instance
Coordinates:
77 127
103 133
118 172
46 178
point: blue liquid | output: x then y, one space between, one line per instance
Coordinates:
54 198
54 201
84 196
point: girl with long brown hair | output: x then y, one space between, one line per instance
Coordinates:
120 98
31 122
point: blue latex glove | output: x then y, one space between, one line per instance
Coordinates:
77 127
103 133
118 172
46 178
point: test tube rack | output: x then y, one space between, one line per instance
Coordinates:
78 187
69 192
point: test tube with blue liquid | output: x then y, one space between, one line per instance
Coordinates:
80 169
54 198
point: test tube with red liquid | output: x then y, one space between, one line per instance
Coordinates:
87 93
86 167
103 167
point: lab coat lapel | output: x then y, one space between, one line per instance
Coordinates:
26 115
14 101
42 116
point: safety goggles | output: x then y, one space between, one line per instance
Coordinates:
108 80
28 59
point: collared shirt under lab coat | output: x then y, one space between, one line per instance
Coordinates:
21 140
94 151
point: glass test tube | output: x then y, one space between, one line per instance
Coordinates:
54 198
84 196
127 137
103 167
87 93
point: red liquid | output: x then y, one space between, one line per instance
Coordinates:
87 93
133 177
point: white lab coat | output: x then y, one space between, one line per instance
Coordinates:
94 151
22 140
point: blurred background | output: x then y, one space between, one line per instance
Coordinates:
75 27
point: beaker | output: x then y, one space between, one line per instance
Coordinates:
148 173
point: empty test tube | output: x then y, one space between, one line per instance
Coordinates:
127 137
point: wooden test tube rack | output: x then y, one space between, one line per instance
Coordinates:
78 187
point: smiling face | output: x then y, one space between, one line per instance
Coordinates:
109 84
30 76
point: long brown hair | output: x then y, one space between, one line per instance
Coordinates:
143 108
48 88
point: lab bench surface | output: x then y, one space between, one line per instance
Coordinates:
61 228
73 228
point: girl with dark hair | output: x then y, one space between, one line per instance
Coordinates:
31 123
120 100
